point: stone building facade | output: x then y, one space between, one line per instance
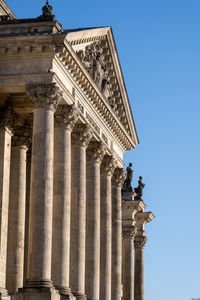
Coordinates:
67 228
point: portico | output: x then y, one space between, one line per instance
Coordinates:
66 122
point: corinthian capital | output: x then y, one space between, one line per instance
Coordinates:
82 134
44 96
109 164
96 151
139 242
119 177
7 119
128 232
22 137
66 115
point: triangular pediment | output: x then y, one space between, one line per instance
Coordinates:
5 10
96 50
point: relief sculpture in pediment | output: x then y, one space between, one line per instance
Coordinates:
94 61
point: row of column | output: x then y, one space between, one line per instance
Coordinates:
82 202
134 239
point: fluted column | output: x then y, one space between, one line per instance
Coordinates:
45 98
17 204
117 183
128 263
107 169
95 155
141 218
80 140
65 119
6 125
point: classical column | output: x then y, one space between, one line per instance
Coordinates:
45 98
128 263
117 183
17 204
65 119
27 212
95 153
107 169
6 125
140 239
80 140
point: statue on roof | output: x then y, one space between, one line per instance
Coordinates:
139 190
47 10
127 188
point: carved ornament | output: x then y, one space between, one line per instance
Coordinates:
139 242
127 188
139 190
94 60
7 119
22 137
82 134
66 115
44 96
96 151
109 165
128 232
119 177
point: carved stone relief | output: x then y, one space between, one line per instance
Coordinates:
94 61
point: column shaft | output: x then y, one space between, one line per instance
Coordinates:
5 150
16 227
92 274
61 209
118 180
139 273
107 170
78 214
128 269
40 238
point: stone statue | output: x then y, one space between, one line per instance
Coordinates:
139 190
127 183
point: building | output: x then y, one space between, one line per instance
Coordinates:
65 124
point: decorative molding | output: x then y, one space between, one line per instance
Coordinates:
66 115
109 165
93 93
94 61
22 137
128 232
82 135
44 96
7 119
96 152
139 241
119 177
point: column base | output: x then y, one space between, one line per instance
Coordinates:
65 292
79 296
38 294
4 294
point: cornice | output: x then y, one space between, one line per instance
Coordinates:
6 9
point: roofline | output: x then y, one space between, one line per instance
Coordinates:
7 9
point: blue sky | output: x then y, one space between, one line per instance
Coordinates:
159 49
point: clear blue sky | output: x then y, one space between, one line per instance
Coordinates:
159 49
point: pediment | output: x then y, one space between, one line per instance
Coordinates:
97 52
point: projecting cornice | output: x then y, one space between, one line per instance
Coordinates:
5 10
